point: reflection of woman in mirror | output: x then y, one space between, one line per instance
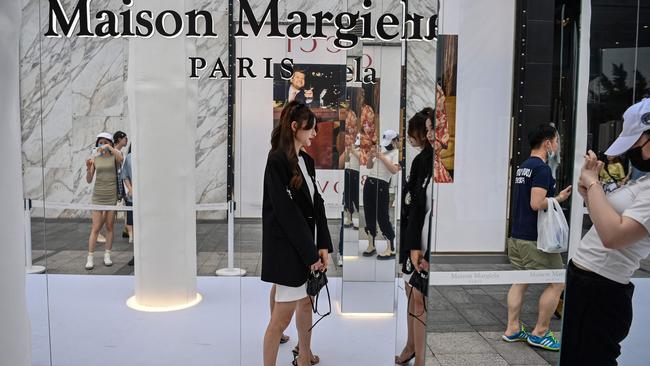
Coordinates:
382 164
103 164
414 231
294 227
441 140
120 140
352 165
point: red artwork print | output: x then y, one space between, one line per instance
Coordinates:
368 133
441 138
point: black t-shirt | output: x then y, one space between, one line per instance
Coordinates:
534 172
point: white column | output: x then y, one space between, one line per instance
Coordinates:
15 348
162 109
577 203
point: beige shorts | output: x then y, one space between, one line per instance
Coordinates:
524 255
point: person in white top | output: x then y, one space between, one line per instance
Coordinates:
382 164
598 299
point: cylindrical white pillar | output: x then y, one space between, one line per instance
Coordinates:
15 336
162 109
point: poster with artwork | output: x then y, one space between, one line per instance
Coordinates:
363 122
322 88
445 126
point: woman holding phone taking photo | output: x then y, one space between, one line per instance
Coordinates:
598 301
103 167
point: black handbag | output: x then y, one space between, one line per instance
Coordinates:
316 281
420 282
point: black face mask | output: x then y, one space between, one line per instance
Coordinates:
636 158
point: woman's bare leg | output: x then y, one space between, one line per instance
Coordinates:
419 327
409 348
280 319
284 338
109 224
97 223
303 323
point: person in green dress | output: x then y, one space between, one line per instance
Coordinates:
102 166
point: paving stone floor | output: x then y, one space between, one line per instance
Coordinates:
465 323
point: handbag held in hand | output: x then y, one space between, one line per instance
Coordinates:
316 281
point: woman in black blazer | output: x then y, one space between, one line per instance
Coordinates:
414 232
296 238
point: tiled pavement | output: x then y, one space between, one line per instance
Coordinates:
465 322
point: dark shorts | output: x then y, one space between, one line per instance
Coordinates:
597 318
524 255
129 214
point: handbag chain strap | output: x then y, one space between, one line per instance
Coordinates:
314 306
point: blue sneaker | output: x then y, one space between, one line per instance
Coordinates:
547 342
520 336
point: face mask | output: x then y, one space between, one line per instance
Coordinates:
551 154
636 158
553 160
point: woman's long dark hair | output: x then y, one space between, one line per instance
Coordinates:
282 137
417 126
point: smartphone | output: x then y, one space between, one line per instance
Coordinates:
95 152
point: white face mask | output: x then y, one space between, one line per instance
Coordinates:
554 155
551 155
554 159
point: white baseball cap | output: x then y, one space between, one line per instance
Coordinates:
105 135
388 137
636 120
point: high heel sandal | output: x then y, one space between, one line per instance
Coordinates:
314 359
406 361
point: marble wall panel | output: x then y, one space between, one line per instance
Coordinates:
421 63
73 88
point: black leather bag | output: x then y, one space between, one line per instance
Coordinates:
420 282
316 281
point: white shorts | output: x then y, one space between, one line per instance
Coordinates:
407 277
288 293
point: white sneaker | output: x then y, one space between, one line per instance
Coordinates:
130 240
339 261
101 238
107 259
90 264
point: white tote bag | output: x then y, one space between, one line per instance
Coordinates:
552 229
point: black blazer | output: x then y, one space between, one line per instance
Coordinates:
289 219
414 204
